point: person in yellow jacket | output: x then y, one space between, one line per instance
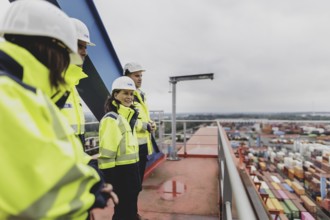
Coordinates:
67 97
145 125
73 109
119 150
43 172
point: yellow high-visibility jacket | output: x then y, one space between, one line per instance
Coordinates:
118 142
72 108
144 118
43 172
67 99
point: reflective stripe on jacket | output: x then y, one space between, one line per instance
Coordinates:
143 119
118 142
72 108
46 177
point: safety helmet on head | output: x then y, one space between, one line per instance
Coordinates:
82 31
123 82
132 67
41 18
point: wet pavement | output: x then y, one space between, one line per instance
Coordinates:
186 189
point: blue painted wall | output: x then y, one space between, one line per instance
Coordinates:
103 55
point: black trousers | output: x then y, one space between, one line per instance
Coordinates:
127 207
127 185
143 154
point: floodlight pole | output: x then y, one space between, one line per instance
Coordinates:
173 80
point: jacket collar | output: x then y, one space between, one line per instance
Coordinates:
124 111
74 74
34 73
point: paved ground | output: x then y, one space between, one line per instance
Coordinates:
181 190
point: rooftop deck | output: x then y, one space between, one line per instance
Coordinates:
186 189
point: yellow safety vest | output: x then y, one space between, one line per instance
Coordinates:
143 134
42 165
118 143
72 108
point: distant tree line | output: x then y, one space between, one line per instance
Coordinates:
271 116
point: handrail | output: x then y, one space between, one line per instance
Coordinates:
234 186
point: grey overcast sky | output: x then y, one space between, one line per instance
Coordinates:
267 56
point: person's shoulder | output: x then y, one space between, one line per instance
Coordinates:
111 115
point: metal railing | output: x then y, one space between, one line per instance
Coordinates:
184 133
230 183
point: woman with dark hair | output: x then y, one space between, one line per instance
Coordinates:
119 149
44 175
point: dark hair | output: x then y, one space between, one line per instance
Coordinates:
127 72
50 52
109 106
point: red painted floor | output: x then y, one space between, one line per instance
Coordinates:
204 142
186 189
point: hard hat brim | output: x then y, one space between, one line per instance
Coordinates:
91 44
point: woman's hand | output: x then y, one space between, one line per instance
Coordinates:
108 189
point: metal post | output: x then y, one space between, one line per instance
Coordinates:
161 131
173 153
185 138
174 79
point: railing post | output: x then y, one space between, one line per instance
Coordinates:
161 128
185 138
228 211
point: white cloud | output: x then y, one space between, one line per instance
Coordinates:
266 55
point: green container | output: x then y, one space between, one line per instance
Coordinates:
270 193
293 208
287 211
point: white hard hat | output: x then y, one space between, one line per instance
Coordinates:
123 82
41 18
132 67
82 31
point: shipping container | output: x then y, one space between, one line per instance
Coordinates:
277 205
298 188
270 194
299 206
276 194
315 185
287 187
275 179
291 196
282 194
291 174
298 172
269 183
262 191
288 182
287 211
306 216
263 166
270 206
264 185
275 185
279 177
294 210
308 175
308 204
326 204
